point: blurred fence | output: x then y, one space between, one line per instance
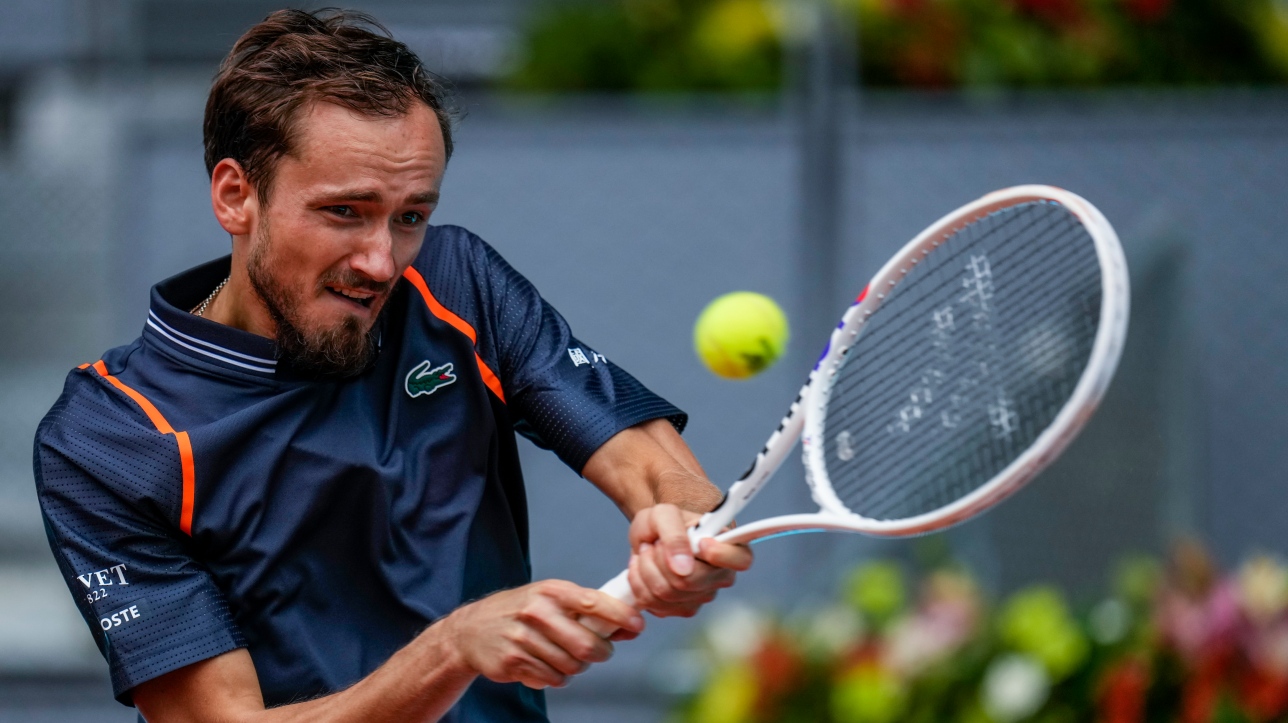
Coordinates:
629 216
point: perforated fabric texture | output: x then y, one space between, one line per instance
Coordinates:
109 485
968 359
561 393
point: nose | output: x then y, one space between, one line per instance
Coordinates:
375 257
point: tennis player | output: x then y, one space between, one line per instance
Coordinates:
297 495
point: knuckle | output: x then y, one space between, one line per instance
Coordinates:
528 614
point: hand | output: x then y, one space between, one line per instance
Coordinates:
531 635
665 577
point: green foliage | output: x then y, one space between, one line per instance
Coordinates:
740 45
876 590
1037 622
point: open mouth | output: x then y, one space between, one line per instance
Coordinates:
362 298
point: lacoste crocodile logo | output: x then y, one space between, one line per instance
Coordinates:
423 380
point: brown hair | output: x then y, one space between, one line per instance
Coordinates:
293 58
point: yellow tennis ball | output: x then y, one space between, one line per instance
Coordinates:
740 334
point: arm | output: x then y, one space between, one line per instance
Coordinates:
528 634
653 477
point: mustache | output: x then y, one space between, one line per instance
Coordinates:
353 280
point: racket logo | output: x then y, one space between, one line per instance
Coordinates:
1002 418
978 283
423 380
844 447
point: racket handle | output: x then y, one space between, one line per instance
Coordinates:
620 588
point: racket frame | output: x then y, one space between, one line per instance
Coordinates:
1106 350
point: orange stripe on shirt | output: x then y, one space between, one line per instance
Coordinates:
187 464
490 378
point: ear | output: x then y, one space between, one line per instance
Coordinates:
233 197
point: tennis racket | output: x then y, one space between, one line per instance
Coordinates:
965 367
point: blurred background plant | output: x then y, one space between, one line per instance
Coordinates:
740 45
1175 642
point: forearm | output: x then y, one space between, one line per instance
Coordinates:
650 464
421 682
418 683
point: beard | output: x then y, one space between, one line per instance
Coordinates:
335 352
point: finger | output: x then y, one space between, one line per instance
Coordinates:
645 599
663 584
643 596
642 528
583 644
726 555
697 585
706 578
673 537
577 601
537 675
622 635
537 644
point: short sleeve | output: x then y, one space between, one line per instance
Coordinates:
110 509
564 394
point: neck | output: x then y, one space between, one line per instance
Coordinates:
238 305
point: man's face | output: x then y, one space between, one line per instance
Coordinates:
346 214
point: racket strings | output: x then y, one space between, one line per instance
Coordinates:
965 363
970 464
904 334
1050 356
971 460
853 405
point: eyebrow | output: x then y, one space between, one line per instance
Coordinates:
426 197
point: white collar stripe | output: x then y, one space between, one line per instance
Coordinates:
212 355
220 349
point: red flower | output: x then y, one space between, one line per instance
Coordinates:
778 668
1264 694
1200 692
1122 692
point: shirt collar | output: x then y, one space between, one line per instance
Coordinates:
171 323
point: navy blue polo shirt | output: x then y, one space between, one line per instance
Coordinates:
198 499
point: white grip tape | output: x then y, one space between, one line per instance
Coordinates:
620 588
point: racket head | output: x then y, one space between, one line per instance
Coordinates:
1095 245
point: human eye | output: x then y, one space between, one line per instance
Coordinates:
411 218
341 211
